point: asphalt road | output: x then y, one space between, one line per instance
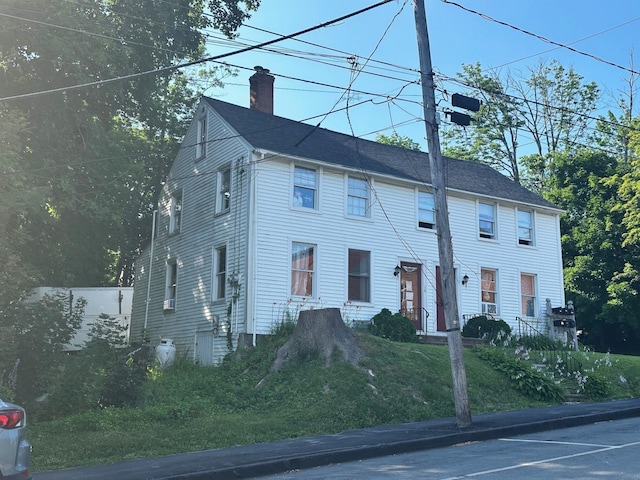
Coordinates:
608 450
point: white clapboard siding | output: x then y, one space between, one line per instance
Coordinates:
259 229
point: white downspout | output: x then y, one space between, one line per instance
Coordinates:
253 244
153 236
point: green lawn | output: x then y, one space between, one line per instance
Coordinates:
189 408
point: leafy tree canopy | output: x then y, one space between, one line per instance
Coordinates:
84 164
398 141
551 105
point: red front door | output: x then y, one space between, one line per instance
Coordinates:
411 293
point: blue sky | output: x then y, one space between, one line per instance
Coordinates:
387 99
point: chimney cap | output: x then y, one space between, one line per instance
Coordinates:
260 69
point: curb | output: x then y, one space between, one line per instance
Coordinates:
249 461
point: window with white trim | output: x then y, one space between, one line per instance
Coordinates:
426 210
359 276
220 273
358 193
201 137
305 187
223 190
489 290
487 220
525 227
528 294
175 213
302 269
171 285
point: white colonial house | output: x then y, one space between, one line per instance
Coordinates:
262 216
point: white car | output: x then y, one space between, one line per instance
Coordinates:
15 450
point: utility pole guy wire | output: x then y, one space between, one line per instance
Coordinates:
445 249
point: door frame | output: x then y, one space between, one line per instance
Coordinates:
411 298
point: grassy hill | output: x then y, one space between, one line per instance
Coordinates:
188 408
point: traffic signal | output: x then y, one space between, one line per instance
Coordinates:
467 103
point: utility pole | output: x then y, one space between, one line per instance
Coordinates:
445 249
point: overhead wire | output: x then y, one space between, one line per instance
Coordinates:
194 62
541 38
370 93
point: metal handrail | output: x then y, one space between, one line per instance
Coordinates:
530 327
572 364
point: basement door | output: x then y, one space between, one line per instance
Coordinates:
204 347
411 293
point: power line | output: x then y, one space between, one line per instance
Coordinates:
570 43
229 42
540 37
195 62
351 82
535 102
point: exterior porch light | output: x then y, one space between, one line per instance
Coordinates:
465 280
396 271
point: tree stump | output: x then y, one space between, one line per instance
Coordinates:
319 332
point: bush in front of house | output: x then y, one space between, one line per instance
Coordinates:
486 328
393 326
526 379
105 373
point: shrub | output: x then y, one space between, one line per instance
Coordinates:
105 373
486 328
541 342
597 386
525 378
394 327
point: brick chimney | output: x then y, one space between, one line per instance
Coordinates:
261 90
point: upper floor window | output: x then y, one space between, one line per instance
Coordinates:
525 227
305 187
302 269
171 285
487 220
359 276
426 210
223 194
489 292
201 139
358 197
221 272
175 213
528 294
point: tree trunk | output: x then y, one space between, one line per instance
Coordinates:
319 332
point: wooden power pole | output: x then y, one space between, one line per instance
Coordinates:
445 249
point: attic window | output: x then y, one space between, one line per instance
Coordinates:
223 195
175 213
201 141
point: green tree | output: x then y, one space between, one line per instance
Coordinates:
398 141
551 105
35 334
96 156
600 264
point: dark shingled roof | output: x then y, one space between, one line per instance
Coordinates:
288 137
